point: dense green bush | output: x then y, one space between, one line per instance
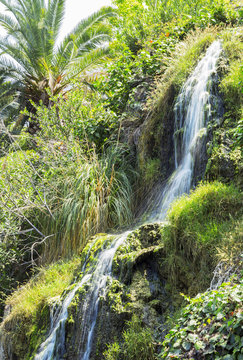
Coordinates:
140 20
130 70
80 116
145 40
209 328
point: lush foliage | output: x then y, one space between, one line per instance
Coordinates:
68 196
210 327
199 225
79 116
75 176
137 343
145 40
132 70
140 20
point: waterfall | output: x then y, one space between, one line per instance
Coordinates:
192 111
54 346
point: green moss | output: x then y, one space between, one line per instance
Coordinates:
152 171
117 296
93 247
196 229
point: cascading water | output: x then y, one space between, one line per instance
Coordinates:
99 279
54 346
192 112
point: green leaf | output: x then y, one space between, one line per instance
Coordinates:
199 345
220 316
177 343
215 338
186 345
192 337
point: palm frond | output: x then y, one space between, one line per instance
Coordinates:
87 61
33 58
54 17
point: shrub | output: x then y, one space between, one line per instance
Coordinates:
210 327
80 116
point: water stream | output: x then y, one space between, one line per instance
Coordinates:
192 111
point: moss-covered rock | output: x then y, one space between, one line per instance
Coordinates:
22 335
225 156
27 320
137 288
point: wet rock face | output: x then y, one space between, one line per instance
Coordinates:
156 136
137 287
73 325
144 296
214 118
225 164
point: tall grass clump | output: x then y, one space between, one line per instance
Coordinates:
197 227
92 194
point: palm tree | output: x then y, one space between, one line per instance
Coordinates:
37 68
